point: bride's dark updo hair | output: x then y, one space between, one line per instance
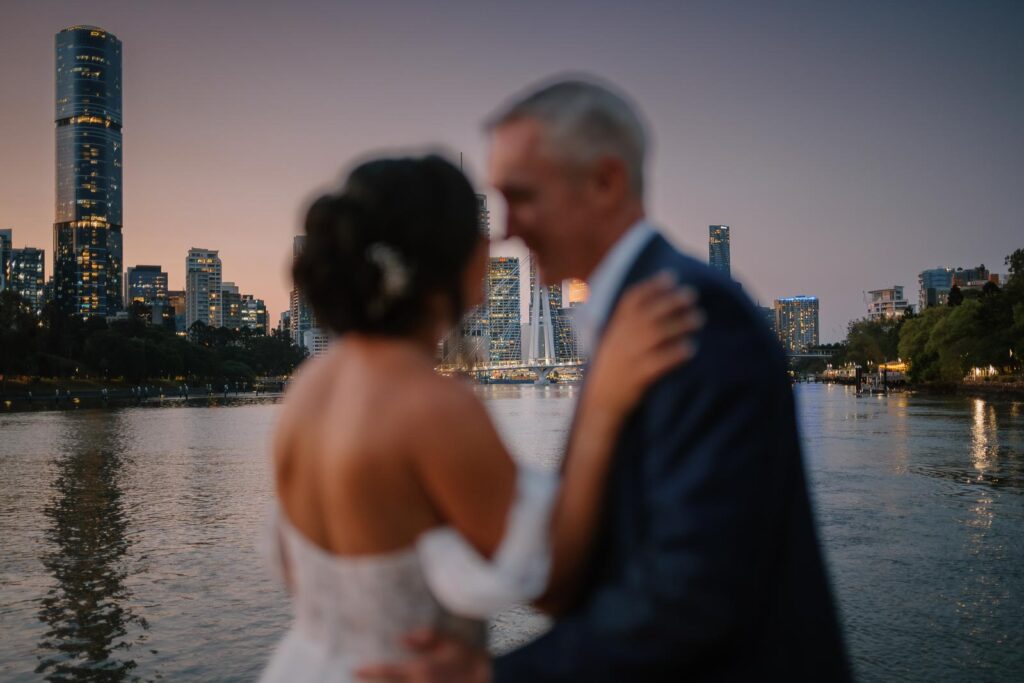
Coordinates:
398 231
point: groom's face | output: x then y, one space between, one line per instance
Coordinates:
548 207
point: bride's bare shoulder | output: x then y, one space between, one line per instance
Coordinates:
304 389
442 407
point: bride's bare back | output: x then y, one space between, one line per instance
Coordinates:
367 445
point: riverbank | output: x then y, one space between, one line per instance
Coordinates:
1012 390
79 394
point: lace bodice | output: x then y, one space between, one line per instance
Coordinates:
354 610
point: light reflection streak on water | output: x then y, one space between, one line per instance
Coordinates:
897 406
983 435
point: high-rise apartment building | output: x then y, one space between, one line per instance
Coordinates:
203 281
145 285
26 276
719 249
887 304
504 319
796 322
87 240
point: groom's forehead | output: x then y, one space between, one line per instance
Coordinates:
517 139
517 149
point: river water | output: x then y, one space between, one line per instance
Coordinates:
127 536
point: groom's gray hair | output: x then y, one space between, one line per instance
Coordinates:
584 120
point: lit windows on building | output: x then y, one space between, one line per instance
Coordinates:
887 304
505 330
26 271
231 305
933 287
579 292
796 323
254 314
145 285
203 283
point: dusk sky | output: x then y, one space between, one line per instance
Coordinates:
849 144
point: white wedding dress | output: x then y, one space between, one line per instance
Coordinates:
355 610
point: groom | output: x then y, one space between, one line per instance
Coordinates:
707 566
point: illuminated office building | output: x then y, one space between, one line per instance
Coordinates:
145 285
87 241
504 324
718 249
796 322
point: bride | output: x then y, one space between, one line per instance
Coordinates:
398 506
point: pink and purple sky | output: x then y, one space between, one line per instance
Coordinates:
849 145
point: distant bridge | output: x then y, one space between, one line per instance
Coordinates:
542 367
810 354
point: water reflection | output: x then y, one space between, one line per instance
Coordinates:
983 437
85 613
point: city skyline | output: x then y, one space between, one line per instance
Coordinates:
878 144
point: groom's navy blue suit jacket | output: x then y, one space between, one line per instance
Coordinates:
707 565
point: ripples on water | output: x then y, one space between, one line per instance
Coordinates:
128 534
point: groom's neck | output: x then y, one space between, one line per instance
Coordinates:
608 234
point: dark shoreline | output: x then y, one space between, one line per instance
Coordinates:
984 389
92 400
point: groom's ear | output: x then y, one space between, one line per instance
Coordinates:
610 181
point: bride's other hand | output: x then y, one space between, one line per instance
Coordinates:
651 331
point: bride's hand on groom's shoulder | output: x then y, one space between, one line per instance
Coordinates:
437 658
651 330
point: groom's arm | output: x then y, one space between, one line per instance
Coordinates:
715 437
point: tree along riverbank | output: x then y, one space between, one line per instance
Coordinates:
55 346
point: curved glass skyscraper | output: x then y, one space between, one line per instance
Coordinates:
87 242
